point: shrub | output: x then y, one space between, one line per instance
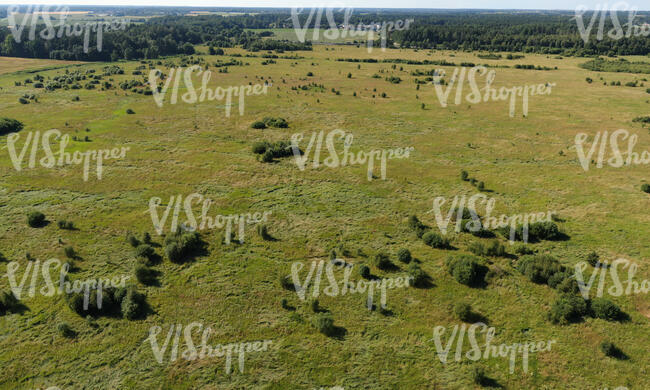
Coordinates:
417 275
593 259
133 305
478 376
464 176
145 275
538 269
181 244
314 305
611 350
65 330
35 219
286 284
463 311
544 230
568 286
324 323
415 224
280 123
262 230
435 240
382 261
22 100
481 186
605 309
8 302
130 111
404 255
267 157
146 238
466 270
557 278
646 188
69 252
9 126
258 125
567 308
364 271
132 240
65 225
145 251
522 249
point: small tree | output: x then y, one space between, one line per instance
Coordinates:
463 311
404 255
35 219
324 323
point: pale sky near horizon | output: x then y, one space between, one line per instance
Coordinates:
481 4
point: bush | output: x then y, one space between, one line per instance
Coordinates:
258 125
364 271
133 305
593 259
130 111
463 311
435 240
605 309
557 278
65 225
478 376
494 249
646 188
404 255
566 309
259 147
8 302
35 219
65 330
382 261
324 323
538 269
262 230
180 245
8 125
522 249
286 284
314 305
267 157
22 100
418 276
466 270
69 252
415 224
145 275
145 251
132 240
146 238
611 350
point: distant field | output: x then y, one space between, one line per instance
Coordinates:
528 164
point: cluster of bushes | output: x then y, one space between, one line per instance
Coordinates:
435 240
494 249
269 151
25 99
533 67
466 270
572 308
122 301
642 119
279 123
537 231
464 176
180 245
394 79
8 125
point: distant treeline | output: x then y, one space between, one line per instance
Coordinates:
620 65
160 36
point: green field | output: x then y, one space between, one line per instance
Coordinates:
529 164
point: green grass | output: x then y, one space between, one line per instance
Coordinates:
181 149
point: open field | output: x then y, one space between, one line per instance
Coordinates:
528 163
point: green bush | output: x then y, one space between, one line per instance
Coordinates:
418 276
146 238
404 255
557 278
538 269
145 275
463 311
180 245
263 232
522 249
65 225
593 259
478 376
258 125
130 111
324 323
286 284
314 305
8 302
65 330
382 261
415 224
605 309
646 188
132 240
566 309
611 350
364 271
280 123
145 251
69 252
464 176
435 240
35 219
260 147
8 125
466 270
22 100
267 157
133 305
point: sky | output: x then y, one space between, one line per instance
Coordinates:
485 4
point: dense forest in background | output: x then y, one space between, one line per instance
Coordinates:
552 32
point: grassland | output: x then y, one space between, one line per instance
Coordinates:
182 149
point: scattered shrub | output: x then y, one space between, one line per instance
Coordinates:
566 309
132 240
463 311
324 323
478 376
404 255
146 238
415 224
418 276
364 271
133 305
145 275
258 125
382 261
35 219
539 268
65 225
605 309
464 176
8 125
466 270
182 244
130 111
286 284
314 305
69 252
435 240
646 188
144 251
611 350
65 330
263 232
522 249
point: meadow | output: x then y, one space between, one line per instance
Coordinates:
527 163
